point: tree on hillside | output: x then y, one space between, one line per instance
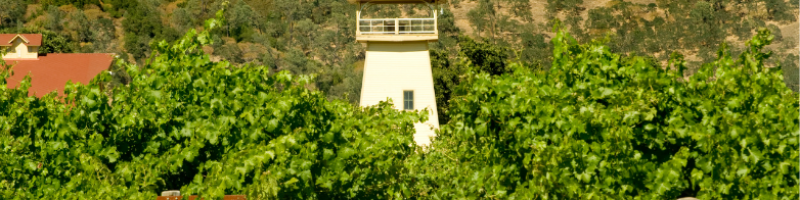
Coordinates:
706 30
704 24
571 9
182 19
745 27
601 18
117 8
448 35
570 6
296 62
261 8
325 46
382 11
291 11
446 73
239 21
142 20
81 25
54 19
138 46
144 24
230 52
11 11
485 56
103 35
52 42
780 11
490 23
78 3
535 50
521 9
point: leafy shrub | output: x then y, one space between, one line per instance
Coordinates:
206 128
600 127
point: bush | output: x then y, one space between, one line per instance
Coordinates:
600 127
206 128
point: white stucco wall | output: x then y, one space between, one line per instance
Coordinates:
393 67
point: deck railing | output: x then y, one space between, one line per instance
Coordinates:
397 26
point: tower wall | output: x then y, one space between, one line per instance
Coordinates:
393 67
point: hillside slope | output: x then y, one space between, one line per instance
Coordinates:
317 36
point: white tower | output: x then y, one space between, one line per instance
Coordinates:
398 64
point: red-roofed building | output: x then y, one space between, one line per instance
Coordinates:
49 72
20 46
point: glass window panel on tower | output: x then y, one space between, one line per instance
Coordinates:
408 100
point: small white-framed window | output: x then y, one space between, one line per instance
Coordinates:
31 49
12 50
408 100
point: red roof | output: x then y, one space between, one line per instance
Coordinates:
52 71
32 39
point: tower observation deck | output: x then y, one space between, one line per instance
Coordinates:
396 29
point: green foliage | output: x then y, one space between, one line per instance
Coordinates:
776 32
746 27
448 31
302 37
207 128
54 19
522 9
571 9
601 18
77 3
486 57
554 6
55 43
118 7
142 20
81 25
182 19
143 24
599 123
705 24
446 76
239 20
780 10
535 50
11 11
600 127
230 52
137 46
103 35
791 71
491 23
